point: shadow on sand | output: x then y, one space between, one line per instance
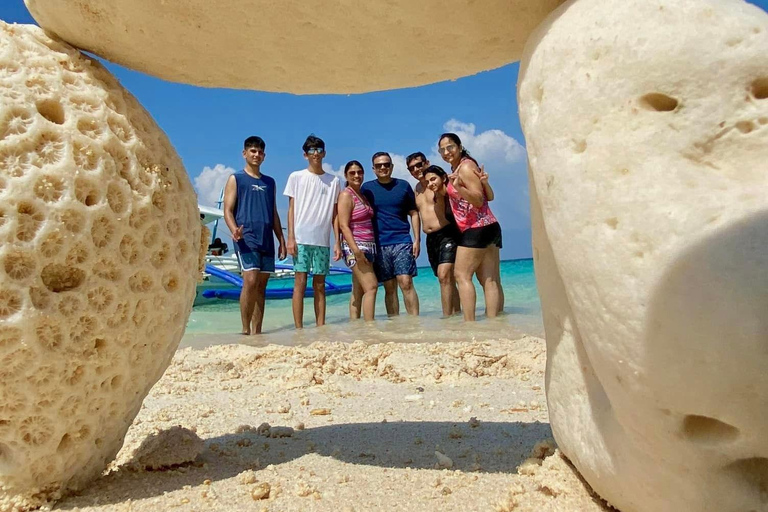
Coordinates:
488 447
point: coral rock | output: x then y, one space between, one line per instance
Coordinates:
99 236
369 45
646 123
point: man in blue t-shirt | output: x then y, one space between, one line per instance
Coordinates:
250 211
393 203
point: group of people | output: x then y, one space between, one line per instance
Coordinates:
376 229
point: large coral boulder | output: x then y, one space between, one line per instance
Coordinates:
99 238
647 130
295 46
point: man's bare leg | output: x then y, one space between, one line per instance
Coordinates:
318 285
261 298
391 301
299 287
248 299
410 297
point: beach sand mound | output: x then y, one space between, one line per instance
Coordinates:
167 448
350 427
272 46
99 235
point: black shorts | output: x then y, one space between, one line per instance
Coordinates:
441 246
482 237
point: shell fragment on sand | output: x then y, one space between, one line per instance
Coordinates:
273 46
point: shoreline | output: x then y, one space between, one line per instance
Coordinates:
458 425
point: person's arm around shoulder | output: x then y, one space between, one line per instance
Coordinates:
230 201
277 227
415 220
468 184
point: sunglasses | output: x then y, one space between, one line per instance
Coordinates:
312 151
385 165
416 165
356 173
448 149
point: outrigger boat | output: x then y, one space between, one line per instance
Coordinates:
222 277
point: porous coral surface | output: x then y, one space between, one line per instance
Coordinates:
99 235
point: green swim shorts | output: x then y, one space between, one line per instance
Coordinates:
314 259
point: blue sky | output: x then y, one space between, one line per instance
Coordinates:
207 127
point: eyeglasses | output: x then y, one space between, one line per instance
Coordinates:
312 151
385 165
450 148
416 165
355 173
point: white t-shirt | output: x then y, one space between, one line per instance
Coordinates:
313 199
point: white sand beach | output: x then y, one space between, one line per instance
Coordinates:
351 427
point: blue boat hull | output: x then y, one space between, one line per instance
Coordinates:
236 282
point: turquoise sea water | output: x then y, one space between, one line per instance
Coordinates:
219 322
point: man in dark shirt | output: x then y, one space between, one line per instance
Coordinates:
250 211
393 203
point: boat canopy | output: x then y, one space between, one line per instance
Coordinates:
210 214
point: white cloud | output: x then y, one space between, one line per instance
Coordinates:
210 182
339 173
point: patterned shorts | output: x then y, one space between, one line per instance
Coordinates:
313 259
394 260
368 248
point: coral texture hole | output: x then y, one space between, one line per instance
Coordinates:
753 474
658 102
29 221
760 88
61 278
19 265
87 192
64 444
745 126
51 110
10 303
702 429
49 188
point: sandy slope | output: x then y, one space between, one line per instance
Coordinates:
368 421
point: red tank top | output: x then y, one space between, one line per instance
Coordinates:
469 216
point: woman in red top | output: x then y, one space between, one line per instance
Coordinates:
480 240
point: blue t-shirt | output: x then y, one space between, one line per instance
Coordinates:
391 204
255 211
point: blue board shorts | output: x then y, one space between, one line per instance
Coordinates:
254 260
394 260
313 259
